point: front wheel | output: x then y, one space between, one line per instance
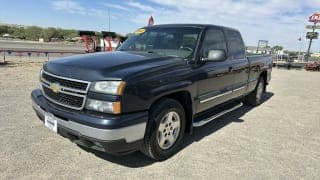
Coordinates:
255 97
165 130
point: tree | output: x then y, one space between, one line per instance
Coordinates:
68 34
276 48
49 33
19 33
33 33
4 29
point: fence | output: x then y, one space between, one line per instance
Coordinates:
33 55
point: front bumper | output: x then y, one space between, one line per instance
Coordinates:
113 134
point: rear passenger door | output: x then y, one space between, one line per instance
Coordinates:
240 64
215 78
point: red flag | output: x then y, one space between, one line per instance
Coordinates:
315 18
151 21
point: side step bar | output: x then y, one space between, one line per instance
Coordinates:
207 120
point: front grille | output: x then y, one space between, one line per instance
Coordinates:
64 82
64 99
71 94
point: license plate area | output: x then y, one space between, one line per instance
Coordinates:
51 122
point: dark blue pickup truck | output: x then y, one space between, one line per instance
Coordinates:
157 86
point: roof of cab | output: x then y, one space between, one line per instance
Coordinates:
190 25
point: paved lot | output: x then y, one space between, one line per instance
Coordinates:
278 140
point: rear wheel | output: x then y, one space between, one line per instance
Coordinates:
255 97
165 130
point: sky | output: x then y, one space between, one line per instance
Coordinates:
281 22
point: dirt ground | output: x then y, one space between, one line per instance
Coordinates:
280 139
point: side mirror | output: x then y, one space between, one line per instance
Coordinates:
216 55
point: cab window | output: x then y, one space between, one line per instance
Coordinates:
214 40
236 48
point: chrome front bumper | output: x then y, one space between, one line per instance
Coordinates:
129 134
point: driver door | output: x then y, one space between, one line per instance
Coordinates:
216 78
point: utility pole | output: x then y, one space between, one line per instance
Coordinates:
109 18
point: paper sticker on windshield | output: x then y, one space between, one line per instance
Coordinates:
140 31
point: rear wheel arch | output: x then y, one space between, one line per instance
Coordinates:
254 98
264 75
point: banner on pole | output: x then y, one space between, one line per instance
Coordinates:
312 35
313 27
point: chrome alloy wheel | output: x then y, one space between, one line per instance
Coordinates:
169 129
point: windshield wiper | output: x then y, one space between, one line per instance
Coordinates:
162 54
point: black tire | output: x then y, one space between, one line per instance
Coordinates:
255 97
158 114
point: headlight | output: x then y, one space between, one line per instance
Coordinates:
103 106
108 87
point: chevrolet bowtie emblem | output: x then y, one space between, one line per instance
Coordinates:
55 87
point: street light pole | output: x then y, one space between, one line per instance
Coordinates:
310 42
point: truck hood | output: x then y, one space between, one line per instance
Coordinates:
111 65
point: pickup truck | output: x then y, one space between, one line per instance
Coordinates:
162 82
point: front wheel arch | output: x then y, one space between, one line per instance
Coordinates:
151 147
184 98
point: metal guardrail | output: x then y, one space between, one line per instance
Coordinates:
47 54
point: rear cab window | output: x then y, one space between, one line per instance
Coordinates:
214 40
236 49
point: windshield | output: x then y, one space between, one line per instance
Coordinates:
176 42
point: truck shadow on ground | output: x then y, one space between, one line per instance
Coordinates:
137 159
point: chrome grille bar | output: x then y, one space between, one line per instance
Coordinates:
67 90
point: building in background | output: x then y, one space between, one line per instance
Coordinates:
315 55
255 50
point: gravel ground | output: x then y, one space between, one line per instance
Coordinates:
280 139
